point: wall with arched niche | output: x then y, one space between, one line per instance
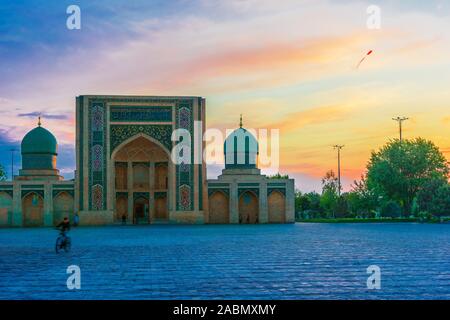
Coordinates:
121 207
277 207
63 206
219 208
33 210
248 208
6 209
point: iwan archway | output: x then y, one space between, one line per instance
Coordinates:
143 180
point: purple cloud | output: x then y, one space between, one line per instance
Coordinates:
43 115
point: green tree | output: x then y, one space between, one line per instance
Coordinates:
434 198
330 182
440 206
341 207
391 209
329 199
307 204
400 169
362 201
425 196
3 175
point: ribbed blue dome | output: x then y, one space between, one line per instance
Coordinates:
241 150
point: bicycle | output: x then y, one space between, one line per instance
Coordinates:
63 242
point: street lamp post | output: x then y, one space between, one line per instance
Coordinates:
400 122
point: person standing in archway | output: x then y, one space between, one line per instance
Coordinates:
76 219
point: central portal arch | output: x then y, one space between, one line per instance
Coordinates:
143 180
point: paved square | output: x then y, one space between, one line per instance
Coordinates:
301 261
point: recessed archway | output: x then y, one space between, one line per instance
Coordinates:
277 207
142 166
33 210
248 208
62 207
121 208
6 208
219 207
141 211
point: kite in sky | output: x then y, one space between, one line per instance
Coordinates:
364 58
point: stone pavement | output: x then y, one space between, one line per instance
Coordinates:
301 261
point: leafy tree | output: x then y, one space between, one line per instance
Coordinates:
400 169
3 175
341 207
391 209
440 206
362 201
434 198
308 204
330 182
328 202
329 199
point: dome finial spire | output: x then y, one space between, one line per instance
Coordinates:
240 122
39 120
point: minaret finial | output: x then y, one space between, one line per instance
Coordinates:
39 120
240 122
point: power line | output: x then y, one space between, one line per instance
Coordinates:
400 122
339 147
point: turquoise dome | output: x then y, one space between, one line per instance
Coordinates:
39 150
39 140
241 150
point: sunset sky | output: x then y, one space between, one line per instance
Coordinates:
286 64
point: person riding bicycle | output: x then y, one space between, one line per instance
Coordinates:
64 226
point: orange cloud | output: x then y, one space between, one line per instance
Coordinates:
264 65
300 119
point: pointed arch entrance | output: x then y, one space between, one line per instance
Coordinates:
219 207
33 210
143 175
248 208
277 207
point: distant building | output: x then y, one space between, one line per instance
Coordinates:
38 196
124 171
241 194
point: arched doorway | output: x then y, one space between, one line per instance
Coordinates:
277 207
219 208
62 207
248 208
121 207
161 176
141 211
6 209
161 207
142 172
33 210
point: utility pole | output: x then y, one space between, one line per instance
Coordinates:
400 122
339 147
12 162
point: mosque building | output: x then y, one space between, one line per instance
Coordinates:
125 173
